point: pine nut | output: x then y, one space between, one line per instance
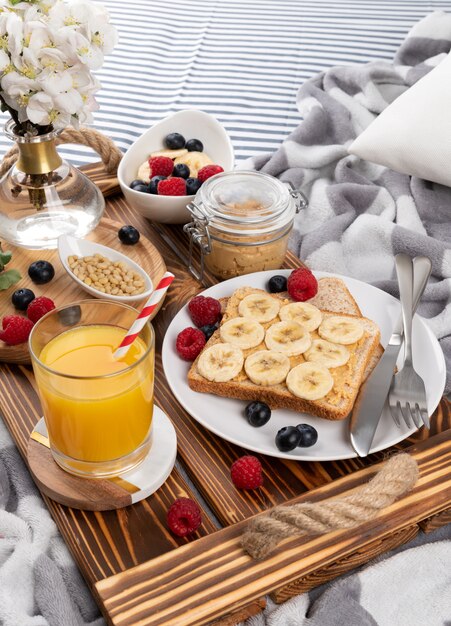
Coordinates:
115 278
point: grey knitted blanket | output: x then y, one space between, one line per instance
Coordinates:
361 214
40 584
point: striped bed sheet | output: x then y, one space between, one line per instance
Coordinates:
240 60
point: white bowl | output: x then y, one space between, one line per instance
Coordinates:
192 125
68 245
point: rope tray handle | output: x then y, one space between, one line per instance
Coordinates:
395 478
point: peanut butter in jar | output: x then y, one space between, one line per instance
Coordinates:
242 221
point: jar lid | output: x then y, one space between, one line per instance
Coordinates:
245 201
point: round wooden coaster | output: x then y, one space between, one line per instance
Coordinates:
62 289
103 494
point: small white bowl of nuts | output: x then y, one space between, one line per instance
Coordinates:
103 272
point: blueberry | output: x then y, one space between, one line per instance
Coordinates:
276 284
153 185
309 435
288 438
41 272
22 298
142 187
174 141
194 145
136 183
257 413
180 170
192 185
208 330
128 235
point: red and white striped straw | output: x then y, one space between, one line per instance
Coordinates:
143 317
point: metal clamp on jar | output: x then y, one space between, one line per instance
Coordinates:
241 223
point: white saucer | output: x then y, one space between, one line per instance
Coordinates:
137 484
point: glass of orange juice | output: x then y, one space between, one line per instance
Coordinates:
98 410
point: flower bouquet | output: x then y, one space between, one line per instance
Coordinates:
48 52
48 49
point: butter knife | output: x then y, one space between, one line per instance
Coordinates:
371 399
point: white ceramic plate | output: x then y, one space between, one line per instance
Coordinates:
225 418
68 246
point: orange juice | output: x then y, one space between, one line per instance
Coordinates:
96 408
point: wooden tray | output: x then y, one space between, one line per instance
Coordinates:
130 559
62 289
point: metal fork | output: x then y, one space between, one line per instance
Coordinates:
407 396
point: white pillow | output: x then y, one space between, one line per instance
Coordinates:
413 134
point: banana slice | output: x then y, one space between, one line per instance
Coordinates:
242 332
220 362
327 354
344 330
259 307
144 172
310 381
288 337
303 313
267 367
172 154
195 161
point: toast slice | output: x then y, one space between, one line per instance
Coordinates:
338 403
333 295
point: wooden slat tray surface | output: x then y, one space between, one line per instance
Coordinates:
174 588
110 543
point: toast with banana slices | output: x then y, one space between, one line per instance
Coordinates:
310 356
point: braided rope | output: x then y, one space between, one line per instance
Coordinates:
396 477
100 143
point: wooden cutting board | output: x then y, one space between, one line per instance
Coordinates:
62 289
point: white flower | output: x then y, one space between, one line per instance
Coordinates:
14 32
4 61
41 110
69 102
16 90
54 83
36 41
60 87
101 33
52 59
77 48
14 84
74 14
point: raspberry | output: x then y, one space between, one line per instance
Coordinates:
208 171
15 329
189 343
204 311
160 166
172 187
302 285
39 307
246 473
184 517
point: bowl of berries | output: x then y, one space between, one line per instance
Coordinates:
162 171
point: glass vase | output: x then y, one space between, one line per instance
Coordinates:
42 196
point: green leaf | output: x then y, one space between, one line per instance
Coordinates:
5 257
9 278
